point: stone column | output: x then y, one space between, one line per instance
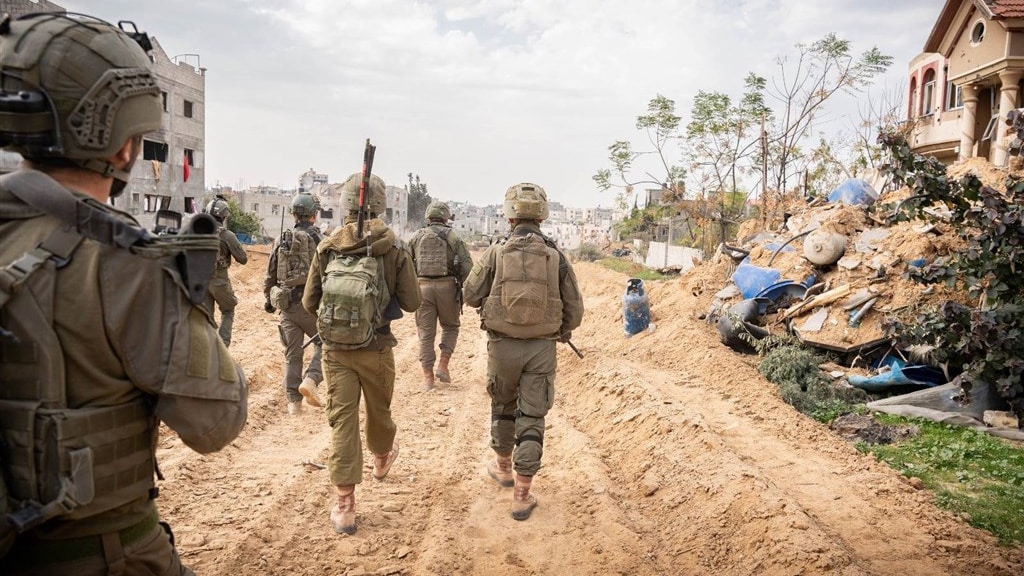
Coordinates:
1007 102
969 93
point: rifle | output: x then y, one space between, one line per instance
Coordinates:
364 188
316 340
574 348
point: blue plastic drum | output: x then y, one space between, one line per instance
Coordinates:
636 310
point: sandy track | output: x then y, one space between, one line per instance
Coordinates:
665 453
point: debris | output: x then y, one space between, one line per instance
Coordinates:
311 464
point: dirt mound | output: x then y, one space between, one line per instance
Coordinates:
666 453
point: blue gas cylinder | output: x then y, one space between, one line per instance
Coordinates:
636 310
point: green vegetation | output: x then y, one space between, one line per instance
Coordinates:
971 473
802 384
632 269
987 338
244 222
588 252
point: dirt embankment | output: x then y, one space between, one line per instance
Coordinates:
666 453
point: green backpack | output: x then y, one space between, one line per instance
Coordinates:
352 305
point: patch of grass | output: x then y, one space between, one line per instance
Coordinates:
971 473
632 269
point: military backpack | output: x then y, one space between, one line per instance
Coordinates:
353 301
294 254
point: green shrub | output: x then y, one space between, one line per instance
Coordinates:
802 384
588 252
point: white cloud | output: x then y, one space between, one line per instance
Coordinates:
475 95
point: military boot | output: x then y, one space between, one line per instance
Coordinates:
523 502
501 470
308 391
294 407
442 369
382 462
428 378
343 514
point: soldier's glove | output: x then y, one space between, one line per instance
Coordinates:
565 337
268 307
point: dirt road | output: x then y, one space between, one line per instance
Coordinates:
666 453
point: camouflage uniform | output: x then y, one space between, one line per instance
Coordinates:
128 334
220 289
296 325
441 298
370 370
521 372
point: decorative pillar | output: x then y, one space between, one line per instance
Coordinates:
969 93
1007 102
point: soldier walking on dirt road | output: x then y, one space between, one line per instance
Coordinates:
528 298
283 286
220 289
442 265
352 280
101 337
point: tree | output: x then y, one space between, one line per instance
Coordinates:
419 199
661 125
820 71
242 221
721 145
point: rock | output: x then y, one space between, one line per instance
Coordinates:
1000 419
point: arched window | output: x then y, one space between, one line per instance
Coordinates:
912 100
928 93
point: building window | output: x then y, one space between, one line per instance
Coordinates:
275 209
155 202
190 154
190 205
978 33
256 208
152 150
954 96
928 93
188 109
163 98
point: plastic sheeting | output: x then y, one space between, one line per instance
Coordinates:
942 404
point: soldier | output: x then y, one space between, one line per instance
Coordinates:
101 337
354 284
442 264
220 289
526 290
283 288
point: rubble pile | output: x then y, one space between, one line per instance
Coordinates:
835 275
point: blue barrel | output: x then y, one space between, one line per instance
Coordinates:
636 310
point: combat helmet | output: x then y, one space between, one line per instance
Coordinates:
219 209
305 205
526 202
375 203
438 210
75 88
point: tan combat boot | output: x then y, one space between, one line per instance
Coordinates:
308 391
442 369
501 470
294 407
382 463
523 502
428 378
343 514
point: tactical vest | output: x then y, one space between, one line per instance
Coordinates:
59 461
432 253
525 300
294 253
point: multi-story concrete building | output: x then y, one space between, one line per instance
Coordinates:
310 178
170 172
966 80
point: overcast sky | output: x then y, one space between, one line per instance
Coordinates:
477 95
